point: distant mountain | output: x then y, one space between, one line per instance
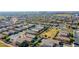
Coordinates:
35 13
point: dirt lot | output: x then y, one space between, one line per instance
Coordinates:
2 44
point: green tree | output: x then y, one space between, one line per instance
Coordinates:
71 34
71 40
7 39
24 44
78 24
34 39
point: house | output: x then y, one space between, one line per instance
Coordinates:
11 32
31 32
17 38
1 36
6 33
36 29
4 29
29 37
76 36
63 36
31 25
49 43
